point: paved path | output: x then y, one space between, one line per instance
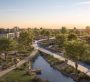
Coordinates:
19 64
80 67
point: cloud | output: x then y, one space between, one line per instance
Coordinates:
84 3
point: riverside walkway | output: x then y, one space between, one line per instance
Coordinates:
18 64
35 45
71 63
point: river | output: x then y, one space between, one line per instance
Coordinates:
49 73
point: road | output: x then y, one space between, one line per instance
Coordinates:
71 63
18 64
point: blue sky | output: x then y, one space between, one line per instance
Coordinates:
45 13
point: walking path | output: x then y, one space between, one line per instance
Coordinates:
35 45
80 67
18 64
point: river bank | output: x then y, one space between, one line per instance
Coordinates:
49 73
22 73
64 68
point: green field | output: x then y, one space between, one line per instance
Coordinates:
16 76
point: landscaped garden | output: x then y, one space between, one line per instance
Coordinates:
21 75
70 44
14 50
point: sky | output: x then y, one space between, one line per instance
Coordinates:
45 13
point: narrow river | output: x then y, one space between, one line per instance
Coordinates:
49 73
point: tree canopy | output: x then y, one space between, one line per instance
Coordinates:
64 30
72 36
25 39
7 44
60 40
75 49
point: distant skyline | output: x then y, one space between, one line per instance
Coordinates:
45 13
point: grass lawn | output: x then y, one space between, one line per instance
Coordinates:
17 76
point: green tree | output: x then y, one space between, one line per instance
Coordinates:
72 36
75 31
36 33
87 29
43 32
64 30
6 45
25 40
74 50
47 33
60 40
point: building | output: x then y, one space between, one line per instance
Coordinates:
13 34
10 35
4 35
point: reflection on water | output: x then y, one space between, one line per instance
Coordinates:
48 73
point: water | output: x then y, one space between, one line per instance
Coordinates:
49 73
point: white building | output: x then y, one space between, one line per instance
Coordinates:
4 35
10 35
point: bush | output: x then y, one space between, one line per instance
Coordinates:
68 70
82 76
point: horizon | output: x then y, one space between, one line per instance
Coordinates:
52 14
